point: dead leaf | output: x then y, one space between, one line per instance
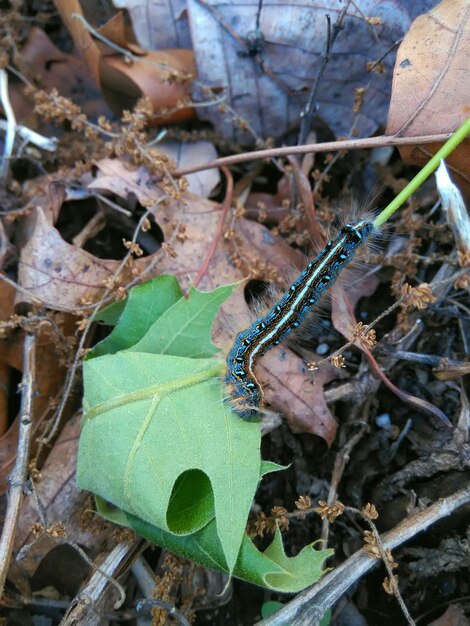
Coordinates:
186 154
61 501
158 25
116 31
297 394
267 71
430 93
124 79
122 84
52 68
59 275
453 616
272 203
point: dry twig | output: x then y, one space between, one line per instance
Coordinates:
313 148
19 473
308 607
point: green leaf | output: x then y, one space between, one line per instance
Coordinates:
149 419
269 466
271 568
270 607
145 304
184 328
109 316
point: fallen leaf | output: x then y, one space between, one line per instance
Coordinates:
454 615
149 76
62 501
57 273
124 79
430 92
185 154
158 25
52 68
265 62
297 394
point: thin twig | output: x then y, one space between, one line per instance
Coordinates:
327 146
11 125
19 473
388 566
309 606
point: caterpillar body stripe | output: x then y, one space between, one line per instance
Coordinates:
286 315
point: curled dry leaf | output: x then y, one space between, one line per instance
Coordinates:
124 79
430 93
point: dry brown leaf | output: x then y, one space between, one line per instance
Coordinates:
124 80
431 93
51 69
122 84
57 273
299 395
62 502
453 616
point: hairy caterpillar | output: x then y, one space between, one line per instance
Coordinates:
286 315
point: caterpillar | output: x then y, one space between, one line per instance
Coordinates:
286 315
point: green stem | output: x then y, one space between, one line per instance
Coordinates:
427 170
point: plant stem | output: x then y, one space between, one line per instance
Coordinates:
423 174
